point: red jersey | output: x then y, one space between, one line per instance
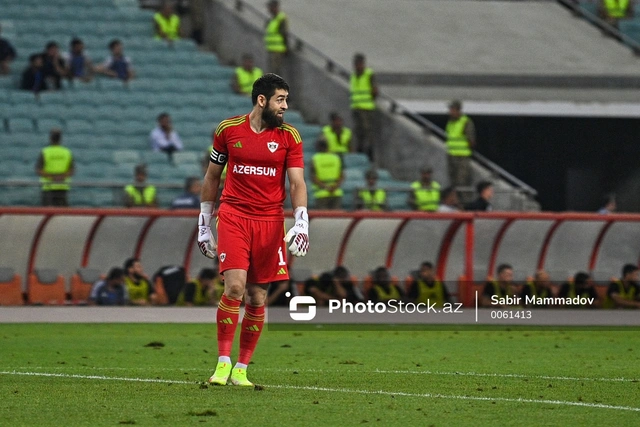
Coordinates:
256 166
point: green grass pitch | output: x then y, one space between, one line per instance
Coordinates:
154 374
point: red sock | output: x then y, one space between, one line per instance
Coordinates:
227 320
252 323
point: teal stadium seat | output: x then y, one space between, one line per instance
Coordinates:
22 125
126 156
79 126
186 157
99 170
45 125
355 160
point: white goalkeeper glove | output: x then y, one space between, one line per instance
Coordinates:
299 233
206 242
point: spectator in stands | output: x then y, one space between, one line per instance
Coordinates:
33 76
80 66
327 176
321 288
166 24
612 11
245 75
364 90
55 167
608 205
624 293
7 55
344 286
372 197
164 138
449 200
580 286
54 66
425 196
461 139
191 197
539 287
110 291
140 194
501 288
382 287
276 38
117 65
483 202
276 294
426 288
203 291
140 289
337 135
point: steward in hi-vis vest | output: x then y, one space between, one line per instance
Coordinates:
166 23
55 167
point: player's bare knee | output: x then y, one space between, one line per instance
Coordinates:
234 290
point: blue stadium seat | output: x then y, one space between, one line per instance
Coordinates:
79 126
155 158
186 157
126 156
21 125
97 169
90 155
355 160
353 174
45 125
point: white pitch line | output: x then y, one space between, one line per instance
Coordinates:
343 390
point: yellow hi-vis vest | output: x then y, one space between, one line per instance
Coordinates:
373 200
144 198
629 295
430 294
247 78
362 91
427 199
616 8
328 168
200 296
457 144
138 290
170 26
273 39
542 293
337 144
384 295
56 160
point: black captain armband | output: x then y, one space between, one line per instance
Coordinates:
217 157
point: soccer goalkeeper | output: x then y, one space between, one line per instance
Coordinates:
259 148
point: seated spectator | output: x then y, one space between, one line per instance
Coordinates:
7 55
191 197
117 65
33 76
483 202
608 205
372 198
206 290
166 23
539 287
245 75
53 66
139 288
612 11
580 286
425 196
80 66
276 294
338 136
140 194
164 138
624 293
382 288
449 201
327 176
344 286
110 291
321 288
501 288
426 288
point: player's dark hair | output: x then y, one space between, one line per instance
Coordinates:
483 185
33 57
115 273
334 116
580 278
267 86
113 43
207 274
129 263
55 135
629 268
427 264
358 57
503 267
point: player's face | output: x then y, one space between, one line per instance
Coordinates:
506 275
273 112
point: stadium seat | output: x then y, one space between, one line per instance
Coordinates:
186 157
10 287
353 174
45 125
126 156
21 125
355 160
79 126
81 283
46 286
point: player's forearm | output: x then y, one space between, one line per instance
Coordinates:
209 188
298 192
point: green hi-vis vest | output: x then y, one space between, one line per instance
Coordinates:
383 295
273 39
427 199
57 160
147 196
328 168
497 290
170 26
337 144
616 8
200 296
457 143
362 91
137 291
247 78
373 200
542 293
572 291
430 294
629 295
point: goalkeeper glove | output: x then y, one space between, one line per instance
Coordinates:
206 242
299 233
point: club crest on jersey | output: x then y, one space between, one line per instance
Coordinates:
222 256
272 146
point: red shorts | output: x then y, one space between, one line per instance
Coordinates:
252 245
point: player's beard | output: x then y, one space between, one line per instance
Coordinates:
270 117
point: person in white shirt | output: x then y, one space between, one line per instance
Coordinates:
164 138
449 201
